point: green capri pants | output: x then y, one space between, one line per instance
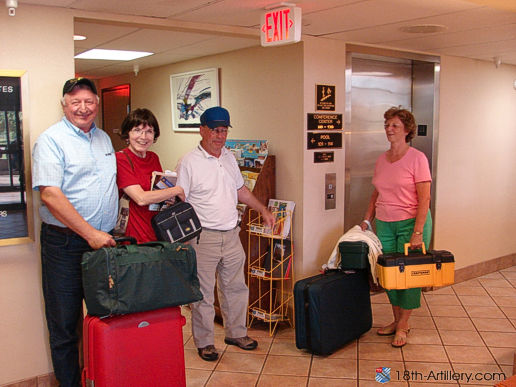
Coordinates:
393 236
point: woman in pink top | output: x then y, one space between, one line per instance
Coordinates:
400 203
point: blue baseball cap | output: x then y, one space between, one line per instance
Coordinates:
214 117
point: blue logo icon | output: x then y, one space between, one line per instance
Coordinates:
383 374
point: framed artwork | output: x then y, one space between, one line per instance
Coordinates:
192 93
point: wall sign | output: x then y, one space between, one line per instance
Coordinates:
323 157
15 201
280 26
325 97
317 140
323 121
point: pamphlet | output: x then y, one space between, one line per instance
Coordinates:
249 153
250 179
266 316
279 265
162 180
283 211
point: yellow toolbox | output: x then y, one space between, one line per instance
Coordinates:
415 270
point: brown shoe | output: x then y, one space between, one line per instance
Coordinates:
242 342
208 353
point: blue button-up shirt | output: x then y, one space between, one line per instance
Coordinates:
83 166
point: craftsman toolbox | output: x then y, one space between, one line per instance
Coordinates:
415 270
354 255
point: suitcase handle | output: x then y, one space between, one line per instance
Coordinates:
129 239
162 244
406 245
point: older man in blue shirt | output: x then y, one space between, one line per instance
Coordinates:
74 168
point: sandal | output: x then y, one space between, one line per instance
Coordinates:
384 331
400 339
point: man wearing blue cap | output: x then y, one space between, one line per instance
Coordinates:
213 185
74 169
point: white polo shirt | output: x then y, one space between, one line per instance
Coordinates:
211 186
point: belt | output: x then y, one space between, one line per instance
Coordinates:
62 230
211 229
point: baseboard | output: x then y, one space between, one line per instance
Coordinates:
483 268
47 380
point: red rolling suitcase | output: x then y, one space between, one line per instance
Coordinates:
137 349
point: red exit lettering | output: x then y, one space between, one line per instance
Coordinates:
277 25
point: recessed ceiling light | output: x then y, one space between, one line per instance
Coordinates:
79 37
98 53
424 28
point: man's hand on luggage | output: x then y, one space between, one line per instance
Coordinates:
100 239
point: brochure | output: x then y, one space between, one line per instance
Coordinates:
281 260
249 153
162 180
250 179
283 211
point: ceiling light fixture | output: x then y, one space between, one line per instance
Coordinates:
424 28
101 54
79 37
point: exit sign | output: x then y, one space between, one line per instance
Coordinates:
281 26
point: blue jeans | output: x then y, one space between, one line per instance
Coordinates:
61 256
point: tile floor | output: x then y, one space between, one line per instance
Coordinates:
460 331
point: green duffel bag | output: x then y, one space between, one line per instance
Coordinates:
139 277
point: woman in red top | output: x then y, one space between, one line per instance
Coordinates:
135 165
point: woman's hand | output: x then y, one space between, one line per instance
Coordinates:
416 241
179 192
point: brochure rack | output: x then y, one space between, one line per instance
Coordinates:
270 271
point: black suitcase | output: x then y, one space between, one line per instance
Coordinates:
332 309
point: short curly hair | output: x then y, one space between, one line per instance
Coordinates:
406 117
136 118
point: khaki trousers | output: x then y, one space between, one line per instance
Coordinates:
220 257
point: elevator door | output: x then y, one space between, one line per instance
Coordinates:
375 87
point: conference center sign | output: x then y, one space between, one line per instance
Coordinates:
280 26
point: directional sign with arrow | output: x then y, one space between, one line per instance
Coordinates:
324 121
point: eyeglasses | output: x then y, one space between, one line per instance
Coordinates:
219 131
140 132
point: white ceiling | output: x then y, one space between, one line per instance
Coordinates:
177 30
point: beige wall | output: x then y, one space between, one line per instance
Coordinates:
324 63
34 42
476 170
